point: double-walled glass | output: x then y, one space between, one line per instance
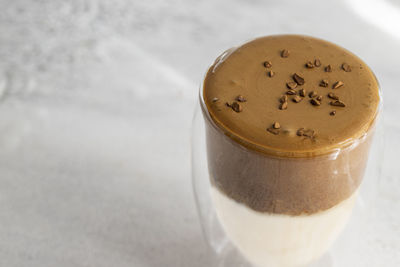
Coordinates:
239 237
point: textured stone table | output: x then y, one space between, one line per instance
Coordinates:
95 112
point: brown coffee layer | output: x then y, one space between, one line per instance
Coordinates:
292 186
289 123
321 95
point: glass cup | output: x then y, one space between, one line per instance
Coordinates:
239 237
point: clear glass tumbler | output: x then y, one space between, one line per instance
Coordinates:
343 244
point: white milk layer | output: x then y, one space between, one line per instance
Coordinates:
267 239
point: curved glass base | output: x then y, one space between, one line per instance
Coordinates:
231 257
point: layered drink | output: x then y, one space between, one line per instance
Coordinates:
289 122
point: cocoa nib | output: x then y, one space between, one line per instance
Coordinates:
309 133
276 125
337 103
323 83
309 65
333 96
291 85
328 68
337 84
346 67
285 53
315 102
241 98
297 99
306 132
236 107
267 64
298 79
312 94
300 132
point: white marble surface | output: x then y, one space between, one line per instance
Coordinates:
95 113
